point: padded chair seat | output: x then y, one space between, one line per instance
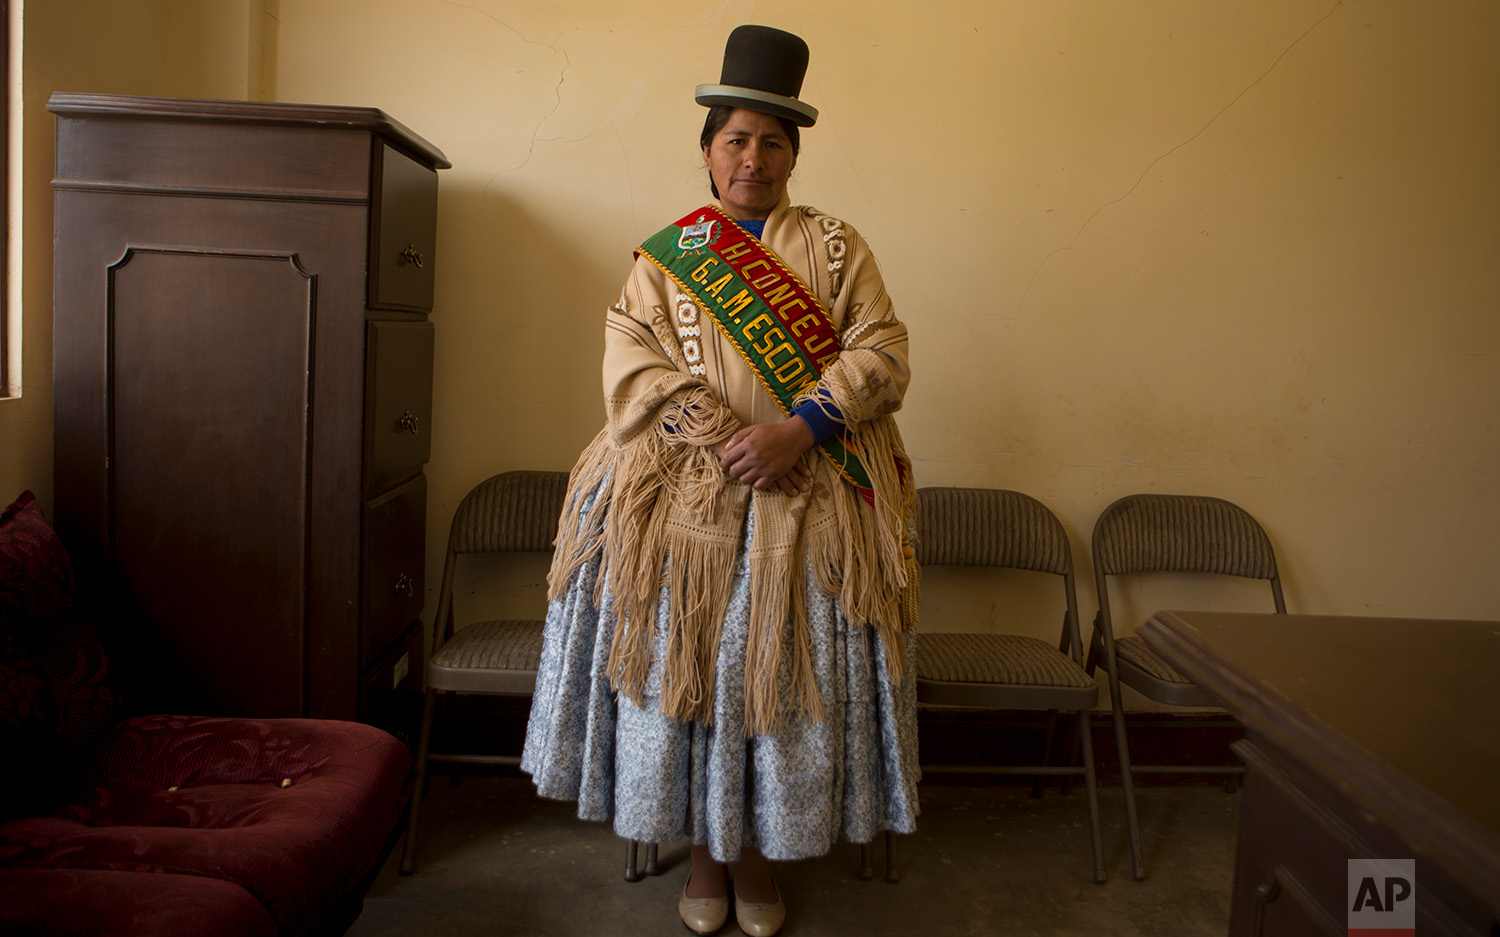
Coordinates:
1172 687
1134 651
489 657
997 658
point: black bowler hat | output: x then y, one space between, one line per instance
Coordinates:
763 71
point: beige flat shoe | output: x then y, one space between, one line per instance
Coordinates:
760 920
703 915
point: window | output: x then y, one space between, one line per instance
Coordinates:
10 331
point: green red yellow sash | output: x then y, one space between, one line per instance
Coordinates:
768 314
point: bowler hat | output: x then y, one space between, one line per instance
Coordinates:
763 71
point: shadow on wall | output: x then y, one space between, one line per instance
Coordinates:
520 337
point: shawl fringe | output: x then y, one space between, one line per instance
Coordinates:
667 524
667 518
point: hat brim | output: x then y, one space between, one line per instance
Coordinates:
798 112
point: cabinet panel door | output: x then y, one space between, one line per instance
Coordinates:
398 400
207 387
403 242
394 554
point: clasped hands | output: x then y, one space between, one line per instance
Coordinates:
768 456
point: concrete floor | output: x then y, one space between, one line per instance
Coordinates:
986 859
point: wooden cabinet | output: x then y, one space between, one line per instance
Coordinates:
243 396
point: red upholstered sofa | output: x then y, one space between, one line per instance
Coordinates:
166 824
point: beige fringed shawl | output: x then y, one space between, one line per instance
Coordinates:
674 386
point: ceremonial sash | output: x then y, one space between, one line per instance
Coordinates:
764 309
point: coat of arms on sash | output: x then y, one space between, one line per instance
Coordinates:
776 323
697 235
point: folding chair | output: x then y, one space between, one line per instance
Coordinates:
1007 529
1153 533
514 512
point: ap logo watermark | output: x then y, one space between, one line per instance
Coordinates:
1382 898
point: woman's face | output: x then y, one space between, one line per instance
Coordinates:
750 160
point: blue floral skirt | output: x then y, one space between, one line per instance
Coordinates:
791 794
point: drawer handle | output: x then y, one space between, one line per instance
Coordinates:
408 422
405 585
412 256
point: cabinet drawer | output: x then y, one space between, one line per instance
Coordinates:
1291 860
390 689
1298 831
391 580
398 400
403 235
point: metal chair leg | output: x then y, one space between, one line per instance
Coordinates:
1040 782
1091 662
1101 651
454 777
1127 782
424 742
1070 760
1096 840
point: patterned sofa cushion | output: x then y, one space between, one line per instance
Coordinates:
55 699
242 826
36 579
36 583
90 903
296 812
82 701
25 742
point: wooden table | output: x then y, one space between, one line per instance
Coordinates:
1364 738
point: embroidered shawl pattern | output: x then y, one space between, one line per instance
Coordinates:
668 518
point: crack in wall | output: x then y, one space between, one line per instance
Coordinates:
562 77
562 74
537 129
625 157
608 32
1147 171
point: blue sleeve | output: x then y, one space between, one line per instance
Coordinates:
823 418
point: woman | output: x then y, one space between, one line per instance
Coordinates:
728 646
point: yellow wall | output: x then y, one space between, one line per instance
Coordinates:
1239 250
156 47
1247 250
